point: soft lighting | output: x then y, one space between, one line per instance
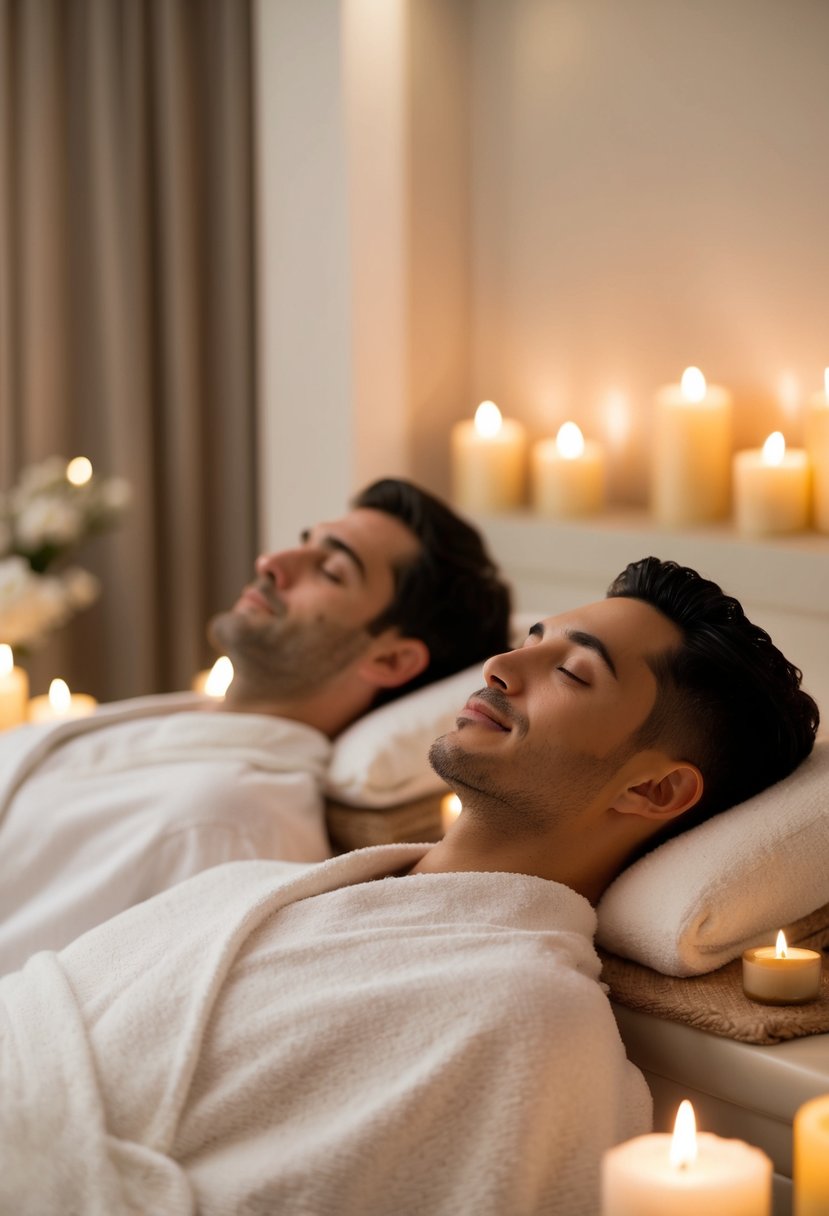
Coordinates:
221 674
60 697
570 441
450 808
774 449
79 471
826 382
692 385
488 420
684 1141
618 416
781 949
6 659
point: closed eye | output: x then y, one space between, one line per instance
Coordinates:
332 576
576 679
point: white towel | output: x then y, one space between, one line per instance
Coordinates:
699 900
322 1040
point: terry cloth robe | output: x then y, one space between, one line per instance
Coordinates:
323 1040
101 812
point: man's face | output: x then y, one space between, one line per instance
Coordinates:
554 723
303 619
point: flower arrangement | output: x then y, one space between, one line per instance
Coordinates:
44 518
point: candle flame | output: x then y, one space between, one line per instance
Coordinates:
6 659
774 449
684 1140
220 677
781 949
79 471
451 807
488 420
569 441
60 698
692 386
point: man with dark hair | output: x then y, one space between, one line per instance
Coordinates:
407 1029
100 813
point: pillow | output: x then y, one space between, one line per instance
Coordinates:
699 900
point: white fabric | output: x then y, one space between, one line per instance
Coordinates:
699 900
303 1040
99 813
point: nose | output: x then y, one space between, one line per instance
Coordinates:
505 672
283 567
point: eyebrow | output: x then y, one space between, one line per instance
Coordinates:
336 545
580 638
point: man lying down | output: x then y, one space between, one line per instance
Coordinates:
405 1029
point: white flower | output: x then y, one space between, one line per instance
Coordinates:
48 521
31 605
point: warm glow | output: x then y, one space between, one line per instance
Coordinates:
60 697
6 659
488 420
684 1141
692 385
826 382
570 441
781 949
221 674
618 415
79 471
450 808
774 449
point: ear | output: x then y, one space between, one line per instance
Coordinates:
665 795
392 661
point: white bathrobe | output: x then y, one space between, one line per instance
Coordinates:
269 1038
99 813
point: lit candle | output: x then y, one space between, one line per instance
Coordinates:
691 459
817 445
14 690
685 1175
568 475
488 461
781 974
771 488
79 471
450 808
217 680
810 1173
60 703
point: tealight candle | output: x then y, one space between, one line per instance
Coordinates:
771 488
217 680
568 475
488 459
60 703
810 1173
691 459
685 1174
450 808
817 445
781 974
14 690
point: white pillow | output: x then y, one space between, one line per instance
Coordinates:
699 900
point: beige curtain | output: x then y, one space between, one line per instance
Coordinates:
126 308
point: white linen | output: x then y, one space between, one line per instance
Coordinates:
99 813
699 900
268 1038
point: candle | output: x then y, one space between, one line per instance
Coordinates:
568 475
771 488
450 808
60 703
488 458
781 974
217 680
14 690
817 445
691 459
685 1175
810 1173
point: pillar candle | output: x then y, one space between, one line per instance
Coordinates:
60 703
488 461
691 458
655 1176
217 680
781 974
771 488
817 445
568 475
14 690
810 1173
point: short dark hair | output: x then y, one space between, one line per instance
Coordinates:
728 699
451 596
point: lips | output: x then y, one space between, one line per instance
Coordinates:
479 712
253 597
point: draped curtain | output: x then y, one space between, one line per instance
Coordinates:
127 309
